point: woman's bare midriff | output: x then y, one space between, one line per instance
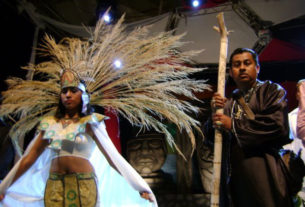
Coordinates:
70 164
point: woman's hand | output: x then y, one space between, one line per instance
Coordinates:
1 197
146 196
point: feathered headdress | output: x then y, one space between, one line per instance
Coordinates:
143 90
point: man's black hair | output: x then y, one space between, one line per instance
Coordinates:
242 50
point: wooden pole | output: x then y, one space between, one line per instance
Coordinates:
215 196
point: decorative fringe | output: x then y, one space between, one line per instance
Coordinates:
144 90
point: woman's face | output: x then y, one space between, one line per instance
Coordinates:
71 98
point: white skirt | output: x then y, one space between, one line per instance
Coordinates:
114 190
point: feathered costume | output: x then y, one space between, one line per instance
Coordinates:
144 90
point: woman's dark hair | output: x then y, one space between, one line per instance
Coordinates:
60 111
242 50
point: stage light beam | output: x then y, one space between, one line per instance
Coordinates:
107 18
195 3
117 64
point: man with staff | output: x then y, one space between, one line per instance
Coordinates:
255 127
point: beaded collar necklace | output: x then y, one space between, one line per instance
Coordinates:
67 121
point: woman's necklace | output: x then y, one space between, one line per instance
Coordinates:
67 121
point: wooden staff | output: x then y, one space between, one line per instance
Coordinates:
215 196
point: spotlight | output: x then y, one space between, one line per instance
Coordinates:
107 18
108 7
196 3
117 64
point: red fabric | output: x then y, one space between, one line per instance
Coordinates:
113 128
278 50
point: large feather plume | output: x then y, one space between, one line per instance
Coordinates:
144 90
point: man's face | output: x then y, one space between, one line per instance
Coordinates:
244 70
